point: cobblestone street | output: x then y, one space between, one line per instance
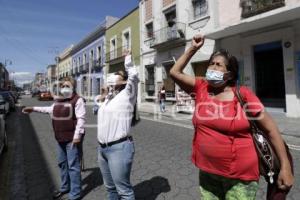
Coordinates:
161 170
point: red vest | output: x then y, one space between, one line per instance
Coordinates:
64 119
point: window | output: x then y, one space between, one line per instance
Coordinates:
126 39
84 58
150 80
113 52
171 25
91 55
200 8
171 18
149 30
99 54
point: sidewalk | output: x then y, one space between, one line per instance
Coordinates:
289 126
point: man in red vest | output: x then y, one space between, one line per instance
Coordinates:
68 118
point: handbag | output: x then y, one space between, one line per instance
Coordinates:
269 164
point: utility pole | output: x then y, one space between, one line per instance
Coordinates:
89 76
56 70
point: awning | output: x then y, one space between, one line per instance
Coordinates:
271 18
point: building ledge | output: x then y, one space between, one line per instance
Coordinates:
263 20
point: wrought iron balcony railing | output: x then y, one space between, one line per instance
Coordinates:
255 7
116 53
174 32
80 68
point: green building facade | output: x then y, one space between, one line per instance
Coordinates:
122 35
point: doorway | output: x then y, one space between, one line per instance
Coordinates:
168 82
269 74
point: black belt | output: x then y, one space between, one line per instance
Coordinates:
116 142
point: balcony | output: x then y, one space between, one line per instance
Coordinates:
116 56
170 36
97 65
255 7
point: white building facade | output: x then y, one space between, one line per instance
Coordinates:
65 63
167 28
265 38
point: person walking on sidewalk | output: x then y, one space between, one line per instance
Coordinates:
162 98
116 147
223 148
68 115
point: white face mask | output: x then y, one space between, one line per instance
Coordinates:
215 77
112 80
66 92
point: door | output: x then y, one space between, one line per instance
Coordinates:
200 68
169 82
269 74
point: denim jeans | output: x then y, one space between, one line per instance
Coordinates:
162 105
115 164
69 165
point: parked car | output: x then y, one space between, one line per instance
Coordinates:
14 95
10 99
4 106
45 96
36 93
3 136
27 92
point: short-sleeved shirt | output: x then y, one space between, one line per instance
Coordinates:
222 141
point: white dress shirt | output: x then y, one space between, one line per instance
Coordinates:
115 115
79 113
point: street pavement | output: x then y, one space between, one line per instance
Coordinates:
161 170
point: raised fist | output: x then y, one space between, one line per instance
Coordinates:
198 41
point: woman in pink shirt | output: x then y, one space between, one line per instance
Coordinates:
223 148
68 119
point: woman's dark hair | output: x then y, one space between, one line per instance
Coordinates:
231 64
123 74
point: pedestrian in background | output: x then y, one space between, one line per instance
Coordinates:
68 115
162 98
223 147
116 147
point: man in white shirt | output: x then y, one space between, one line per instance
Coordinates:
116 148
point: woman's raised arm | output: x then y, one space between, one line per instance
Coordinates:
185 81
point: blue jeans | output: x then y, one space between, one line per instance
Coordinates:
69 165
162 105
115 164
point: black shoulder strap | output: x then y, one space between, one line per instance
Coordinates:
242 102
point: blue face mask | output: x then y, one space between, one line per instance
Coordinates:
215 77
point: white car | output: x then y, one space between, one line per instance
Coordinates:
27 92
4 106
3 136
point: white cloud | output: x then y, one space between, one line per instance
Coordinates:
21 77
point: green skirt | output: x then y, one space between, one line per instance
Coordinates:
214 187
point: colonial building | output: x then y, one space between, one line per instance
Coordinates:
264 35
51 76
65 63
88 60
167 27
122 35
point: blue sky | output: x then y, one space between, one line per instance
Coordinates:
31 31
